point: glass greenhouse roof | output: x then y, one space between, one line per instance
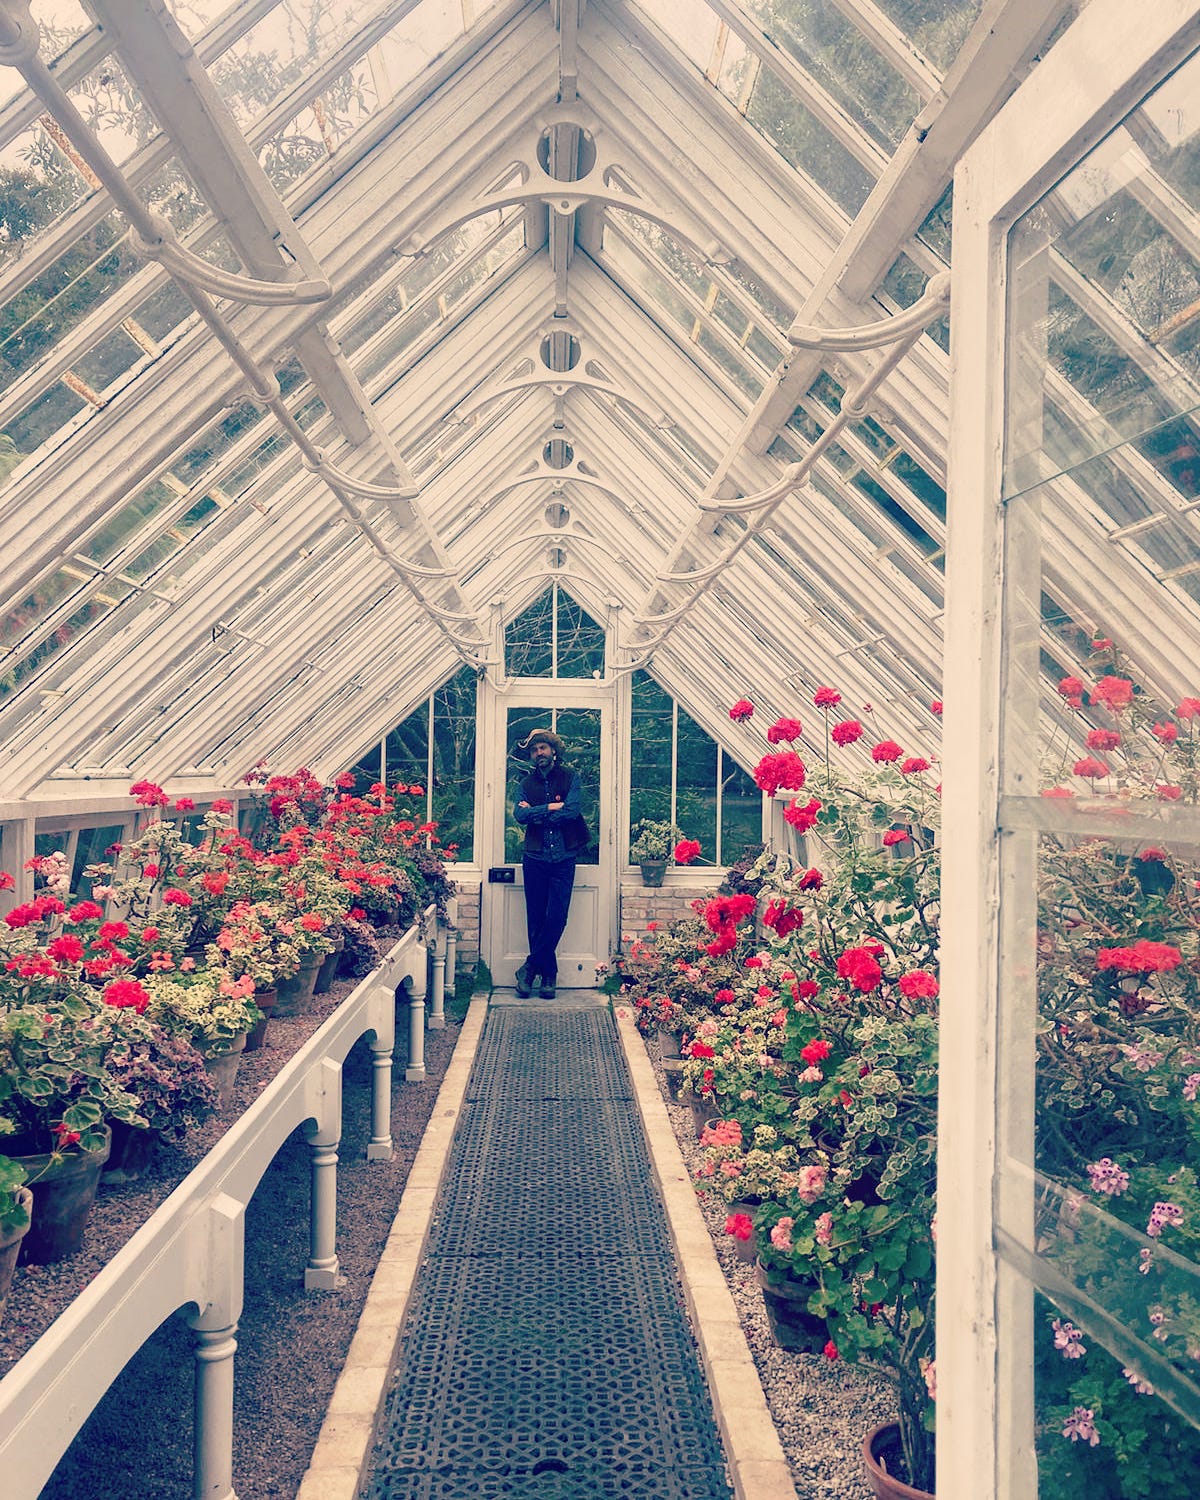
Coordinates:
547 257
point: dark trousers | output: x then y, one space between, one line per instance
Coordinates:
547 902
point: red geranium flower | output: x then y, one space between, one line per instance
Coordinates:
919 985
1187 708
1090 767
1143 957
148 794
846 732
7 882
742 709
782 918
816 1051
66 949
721 911
174 897
741 1226
1165 792
1103 739
126 992
811 880
895 836
784 730
184 804
686 850
826 697
886 751
1115 692
1167 733
1071 687
913 764
936 707
784 769
860 966
802 818
85 911
222 805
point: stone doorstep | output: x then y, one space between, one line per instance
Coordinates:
347 1435
758 1467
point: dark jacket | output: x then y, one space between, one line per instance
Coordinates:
539 791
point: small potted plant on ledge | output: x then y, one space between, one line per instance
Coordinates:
15 1204
651 847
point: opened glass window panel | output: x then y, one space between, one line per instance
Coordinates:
937 28
844 63
652 750
802 140
316 131
741 813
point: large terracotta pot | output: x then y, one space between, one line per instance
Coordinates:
266 1000
296 992
10 1246
786 1301
327 973
222 1068
886 1486
63 1194
132 1149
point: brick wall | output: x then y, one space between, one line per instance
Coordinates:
641 904
468 926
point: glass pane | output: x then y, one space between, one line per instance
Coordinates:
89 850
651 751
454 762
801 139
528 640
937 28
696 783
580 641
741 813
520 722
839 57
579 729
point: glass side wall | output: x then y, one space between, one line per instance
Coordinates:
1099 1203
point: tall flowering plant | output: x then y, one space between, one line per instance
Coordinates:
1118 1072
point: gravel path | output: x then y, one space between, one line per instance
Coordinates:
822 1410
137 1444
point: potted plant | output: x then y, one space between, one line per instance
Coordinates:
651 846
16 1202
213 1011
57 1096
175 1093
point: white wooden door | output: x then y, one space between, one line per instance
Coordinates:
582 716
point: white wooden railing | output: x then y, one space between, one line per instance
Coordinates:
190 1250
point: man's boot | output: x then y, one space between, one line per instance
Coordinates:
547 989
524 982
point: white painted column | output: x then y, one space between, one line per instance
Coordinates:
212 1470
437 995
379 1147
321 1273
415 1072
452 950
325 1100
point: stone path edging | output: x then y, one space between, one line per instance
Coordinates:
348 1432
758 1467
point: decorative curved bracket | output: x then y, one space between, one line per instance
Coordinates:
165 248
361 487
873 335
594 189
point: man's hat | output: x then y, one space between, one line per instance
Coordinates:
546 737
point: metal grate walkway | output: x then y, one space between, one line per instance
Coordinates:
547 1352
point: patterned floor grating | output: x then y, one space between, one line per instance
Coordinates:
547 1355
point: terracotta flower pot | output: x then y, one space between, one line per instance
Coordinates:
296 992
266 1000
786 1301
886 1486
63 1194
653 871
10 1246
132 1149
327 973
222 1068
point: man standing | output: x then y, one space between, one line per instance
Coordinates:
548 808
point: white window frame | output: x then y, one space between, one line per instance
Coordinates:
1105 64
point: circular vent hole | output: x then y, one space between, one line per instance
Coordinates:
557 515
560 351
558 453
566 152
